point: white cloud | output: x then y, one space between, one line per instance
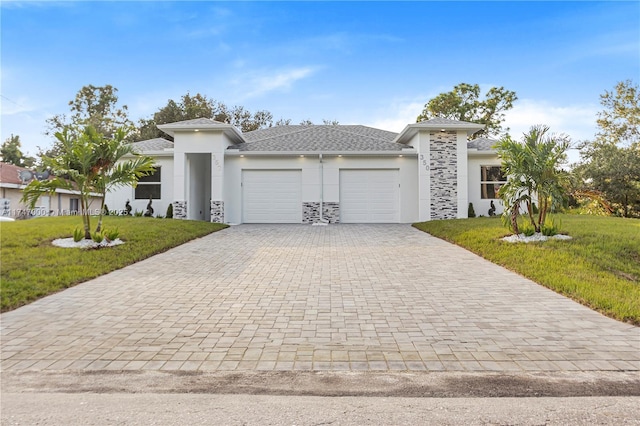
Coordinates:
257 84
398 115
578 120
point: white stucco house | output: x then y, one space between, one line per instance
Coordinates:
317 173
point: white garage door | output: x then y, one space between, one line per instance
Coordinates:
272 196
369 196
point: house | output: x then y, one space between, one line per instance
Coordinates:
317 173
14 179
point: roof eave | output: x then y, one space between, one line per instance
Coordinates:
412 129
231 131
237 153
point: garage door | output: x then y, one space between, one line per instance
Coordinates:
369 196
272 196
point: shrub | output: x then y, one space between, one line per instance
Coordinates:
471 212
550 227
78 234
169 214
527 229
97 237
138 213
111 234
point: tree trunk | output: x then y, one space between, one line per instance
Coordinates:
86 219
626 205
531 215
515 209
98 228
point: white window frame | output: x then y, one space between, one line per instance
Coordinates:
484 193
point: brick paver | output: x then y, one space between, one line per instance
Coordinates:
296 297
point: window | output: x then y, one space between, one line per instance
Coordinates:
149 186
491 179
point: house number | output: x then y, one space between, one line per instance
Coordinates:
424 162
215 160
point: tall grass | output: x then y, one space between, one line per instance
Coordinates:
599 267
32 268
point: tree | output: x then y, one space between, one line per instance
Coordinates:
610 164
619 122
283 122
94 106
89 162
534 174
463 103
200 106
12 154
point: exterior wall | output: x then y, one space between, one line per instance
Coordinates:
117 199
481 206
422 142
312 175
203 142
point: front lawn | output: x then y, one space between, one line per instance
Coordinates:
32 268
599 267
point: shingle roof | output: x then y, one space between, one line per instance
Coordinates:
448 122
481 144
196 122
319 138
157 144
11 174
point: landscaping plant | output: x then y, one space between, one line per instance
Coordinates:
534 174
90 163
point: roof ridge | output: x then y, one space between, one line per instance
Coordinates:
293 131
360 134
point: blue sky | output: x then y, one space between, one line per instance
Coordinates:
372 63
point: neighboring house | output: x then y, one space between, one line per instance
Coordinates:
14 179
317 173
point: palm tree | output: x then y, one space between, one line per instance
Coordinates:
533 170
112 173
90 163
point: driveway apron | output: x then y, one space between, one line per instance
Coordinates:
299 297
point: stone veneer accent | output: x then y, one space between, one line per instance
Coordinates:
331 212
179 209
444 175
311 212
217 211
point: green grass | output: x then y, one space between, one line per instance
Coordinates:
599 267
32 268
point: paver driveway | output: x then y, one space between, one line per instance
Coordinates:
296 297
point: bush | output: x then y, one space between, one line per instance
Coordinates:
78 234
550 227
527 229
97 237
169 214
471 212
138 213
111 234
